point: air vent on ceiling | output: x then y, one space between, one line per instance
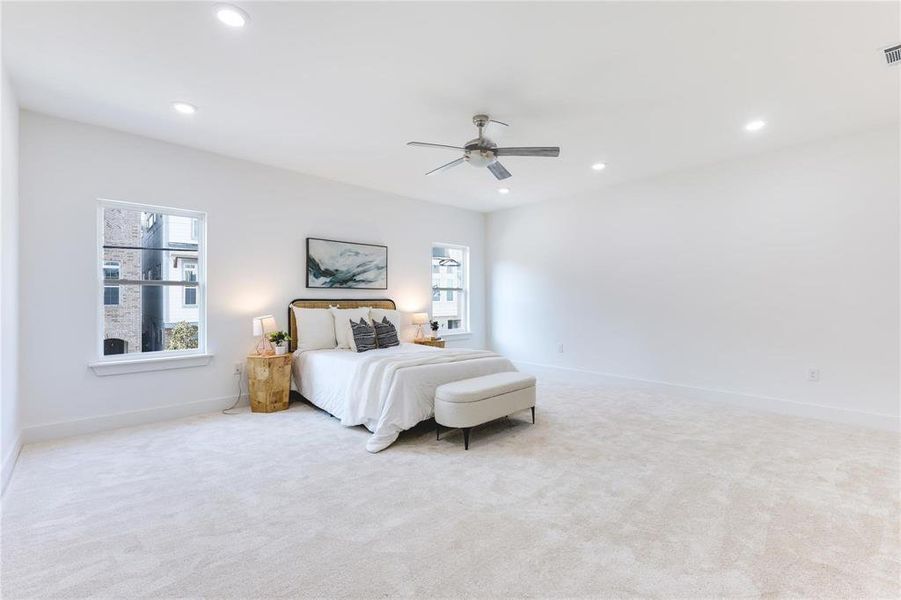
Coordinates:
893 55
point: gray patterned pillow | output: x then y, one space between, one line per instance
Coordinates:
364 335
386 333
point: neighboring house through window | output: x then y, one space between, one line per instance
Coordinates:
152 279
450 288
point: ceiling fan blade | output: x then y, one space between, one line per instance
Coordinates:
428 145
499 171
449 165
498 122
529 151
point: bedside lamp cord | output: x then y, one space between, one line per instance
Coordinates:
228 410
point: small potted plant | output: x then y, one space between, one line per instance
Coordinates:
434 326
280 339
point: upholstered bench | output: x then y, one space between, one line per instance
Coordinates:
470 402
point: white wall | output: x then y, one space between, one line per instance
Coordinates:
736 277
10 423
258 219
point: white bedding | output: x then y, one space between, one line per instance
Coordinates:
387 390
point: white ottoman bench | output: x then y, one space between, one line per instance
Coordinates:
470 402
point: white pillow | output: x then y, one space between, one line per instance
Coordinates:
344 335
403 322
315 328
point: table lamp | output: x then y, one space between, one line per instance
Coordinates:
420 319
263 326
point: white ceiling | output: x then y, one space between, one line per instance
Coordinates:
336 89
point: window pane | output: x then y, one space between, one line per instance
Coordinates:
151 318
189 270
111 295
150 246
148 265
111 270
448 287
447 267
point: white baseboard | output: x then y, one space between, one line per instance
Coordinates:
9 463
61 429
776 405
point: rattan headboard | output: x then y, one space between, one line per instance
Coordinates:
386 303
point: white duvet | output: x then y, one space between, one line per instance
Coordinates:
386 390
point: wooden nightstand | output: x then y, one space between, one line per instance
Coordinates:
269 382
439 343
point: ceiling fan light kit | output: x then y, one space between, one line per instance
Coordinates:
482 152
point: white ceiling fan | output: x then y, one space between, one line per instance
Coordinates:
482 152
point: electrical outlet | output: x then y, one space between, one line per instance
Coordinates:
560 347
813 374
238 370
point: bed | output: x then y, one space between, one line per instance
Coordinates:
387 390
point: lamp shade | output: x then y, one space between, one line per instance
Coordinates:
264 324
420 318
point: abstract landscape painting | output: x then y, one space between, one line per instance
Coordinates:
332 264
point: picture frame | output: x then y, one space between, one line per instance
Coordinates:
337 264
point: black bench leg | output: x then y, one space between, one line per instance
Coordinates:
533 415
466 438
437 431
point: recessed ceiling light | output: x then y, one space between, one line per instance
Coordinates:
231 15
503 190
184 108
599 166
755 125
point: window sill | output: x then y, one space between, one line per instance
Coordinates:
103 368
462 335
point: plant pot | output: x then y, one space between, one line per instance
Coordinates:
281 349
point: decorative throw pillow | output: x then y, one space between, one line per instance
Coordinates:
364 335
344 336
315 328
385 333
403 322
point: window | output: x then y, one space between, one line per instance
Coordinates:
114 346
152 263
450 288
111 270
189 273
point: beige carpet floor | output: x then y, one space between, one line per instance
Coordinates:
615 493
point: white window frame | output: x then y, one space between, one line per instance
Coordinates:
465 331
163 359
118 267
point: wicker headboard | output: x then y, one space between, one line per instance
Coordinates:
386 303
